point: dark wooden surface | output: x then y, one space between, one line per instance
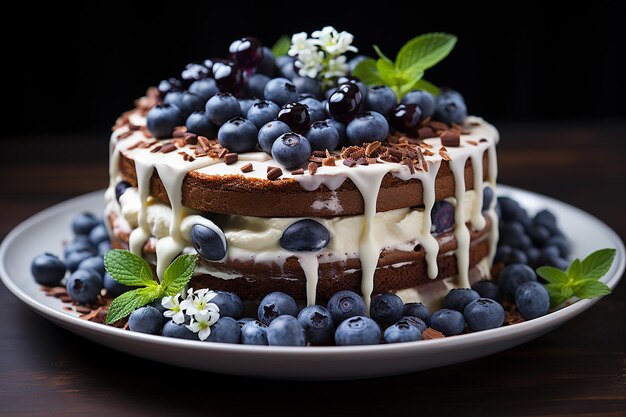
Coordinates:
577 370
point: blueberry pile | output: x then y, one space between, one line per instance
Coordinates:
253 100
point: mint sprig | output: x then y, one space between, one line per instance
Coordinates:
129 269
580 279
281 46
415 57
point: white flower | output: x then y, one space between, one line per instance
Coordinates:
310 63
202 324
333 42
336 67
172 303
301 43
197 303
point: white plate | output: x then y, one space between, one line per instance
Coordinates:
46 230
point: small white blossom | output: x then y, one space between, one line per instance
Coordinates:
202 324
337 67
310 63
333 42
301 43
198 303
172 303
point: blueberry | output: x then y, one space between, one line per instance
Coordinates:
194 72
209 244
546 219
317 323
483 314
205 89
114 288
247 52
487 197
514 235
442 217
98 235
200 124
345 304
47 269
296 116
276 304
354 62
367 127
171 84
307 85
355 81
238 135
228 76
225 330
82 245
449 322
267 66
561 243
190 103
315 108
222 107
533 256
550 256
159 306
120 189
340 127
161 120
509 208
328 93
291 150
284 60
84 286
145 320
281 91
345 102
358 330
402 331
305 236
179 331
418 310
515 275
450 107
229 303
84 223
458 298
488 289
322 136
173 98
406 118
244 320
515 256
256 85
254 333
95 262
502 253
73 259
246 103
262 112
381 99
270 132
286 331
415 321
386 308
423 99
104 247
532 300
288 71
539 234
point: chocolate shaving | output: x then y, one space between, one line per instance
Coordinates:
347 152
438 125
204 143
408 163
358 154
349 162
168 147
125 134
329 161
372 161
191 139
274 173
133 127
372 149
247 167
316 159
156 149
299 171
427 152
312 168
472 142
431 333
319 154
230 158
83 310
362 161
222 153
450 138
271 167
422 164
444 155
426 132
483 140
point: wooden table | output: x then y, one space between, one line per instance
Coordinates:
577 370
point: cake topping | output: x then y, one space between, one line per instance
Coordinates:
247 168
274 173
296 116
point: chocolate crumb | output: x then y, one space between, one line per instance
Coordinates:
372 161
83 310
329 162
312 168
222 153
450 138
444 155
65 298
230 158
347 152
426 152
316 159
475 123
408 163
247 167
431 333
125 135
472 142
483 140
168 147
274 174
57 292
425 133
362 161
299 171
438 125
271 167
358 154
422 165
319 154
349 162
372 148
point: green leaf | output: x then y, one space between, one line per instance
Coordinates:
366 71
558 293
123 305
553 275
597 264
281 46
591 288
178 274
381 55
575 271
425 50
387 72
427 86
128 269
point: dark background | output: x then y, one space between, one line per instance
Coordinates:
515 62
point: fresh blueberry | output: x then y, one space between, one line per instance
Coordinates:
514 235
549 256
415 321
146 320
483 314
228 77
270 132
247 52
322 136
267 66
47 269
367 127
355 81
533 256
546 219
262 112
286 331
449 322
442 217
345 102
222 107
402 331
209 244
381 99
229 303
423 99
317 323
288 71
284 60
515 275
418 310
488 289
514 256
159 306
291 150
173 98
225 330
276 304
179 331
406 118
161 120
244 320
358 330
114 288
307 85
561 243
450 107
254 332
354 62
84 223
98 235
95 262
539 234
256 85
84 286
345 304
82 245
73 259
205 88
487 197
340 127
190 103
532 300
502 253
200 124
245 104
386 308
305 235
120 189
509 209
315 108
171 84
104 247
238 135
296 116
458 298
281 91
194 72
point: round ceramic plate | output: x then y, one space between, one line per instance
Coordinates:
47 230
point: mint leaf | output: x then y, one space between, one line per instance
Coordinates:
282 45
123 305
381 55
128 269
387 72
366 71
427 86
558 293
575 271
596 265
425 50
591 288
553 275
178 274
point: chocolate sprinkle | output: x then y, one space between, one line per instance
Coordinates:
299 171
274 173
230 158
450 138
247 167
349 162
168 147
312 168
